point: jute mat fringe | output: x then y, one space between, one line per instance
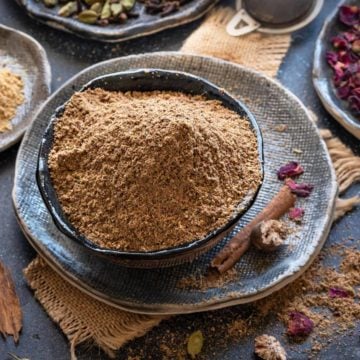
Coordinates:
83 319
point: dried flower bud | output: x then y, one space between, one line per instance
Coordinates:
356 46
299 324
296 214
349 15
268 348
301 190
290 170
336 292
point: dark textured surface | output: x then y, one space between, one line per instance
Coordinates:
41 339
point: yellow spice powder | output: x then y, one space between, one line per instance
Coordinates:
11 96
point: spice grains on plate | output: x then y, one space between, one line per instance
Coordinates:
143 171
11 97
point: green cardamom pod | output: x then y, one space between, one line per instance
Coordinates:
97 7
91 2
106 11
50 3
116 9
88 17
128 4
68 9
195 344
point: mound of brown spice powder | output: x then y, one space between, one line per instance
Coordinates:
11 96
150 170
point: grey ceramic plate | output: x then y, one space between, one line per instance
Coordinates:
26 57
156 291
322 75
145 24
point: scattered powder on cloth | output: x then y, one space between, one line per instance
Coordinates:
11 96
151 170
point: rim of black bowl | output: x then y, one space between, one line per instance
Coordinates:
143 80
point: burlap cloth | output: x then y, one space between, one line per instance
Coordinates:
83 319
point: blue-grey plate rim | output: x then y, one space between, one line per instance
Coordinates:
322 75
161 309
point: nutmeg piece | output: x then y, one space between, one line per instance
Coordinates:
268 235
268 348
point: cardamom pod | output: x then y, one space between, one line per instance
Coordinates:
106 11
97 7
68 9
91 2
50 3
128 4
195 344
88 17
116 9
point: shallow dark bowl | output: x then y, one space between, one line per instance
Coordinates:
146 80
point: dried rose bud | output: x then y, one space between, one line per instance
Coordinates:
301 190
290 170
296 214
299 324
356 46
340 42
349 15
336 292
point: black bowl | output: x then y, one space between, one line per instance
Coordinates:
146 80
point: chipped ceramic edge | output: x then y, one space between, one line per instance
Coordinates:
45 81
323 85
116 36
237 298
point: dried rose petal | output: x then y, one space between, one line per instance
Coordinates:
289 170
301 190
349 15
332 58
349 36
354 103
343 92
296 214
345 60
299 324
336 292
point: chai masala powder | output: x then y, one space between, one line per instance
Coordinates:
11 96
150 170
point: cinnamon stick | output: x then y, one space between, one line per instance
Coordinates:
239 244
10 310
